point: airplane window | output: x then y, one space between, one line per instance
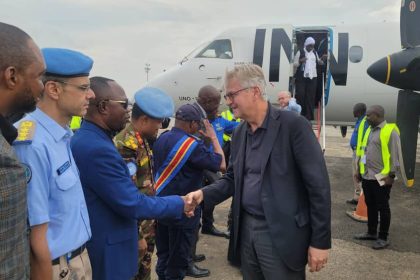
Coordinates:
217 49
356 54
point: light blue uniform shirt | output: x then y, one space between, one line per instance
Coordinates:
55 194
293 106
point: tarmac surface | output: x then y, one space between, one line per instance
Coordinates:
349 259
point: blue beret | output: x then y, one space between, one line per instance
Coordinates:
66 63
154 103
189 112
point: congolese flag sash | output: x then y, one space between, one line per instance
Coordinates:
176 159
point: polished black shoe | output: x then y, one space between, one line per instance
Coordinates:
365 236
214 231
198 258
227 236
196 272
352 201
380 244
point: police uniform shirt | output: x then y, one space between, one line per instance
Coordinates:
374 162
55 194
221 126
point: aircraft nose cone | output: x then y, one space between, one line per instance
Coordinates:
379 71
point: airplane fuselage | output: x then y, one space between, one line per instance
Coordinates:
350 49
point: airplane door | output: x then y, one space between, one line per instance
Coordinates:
273 52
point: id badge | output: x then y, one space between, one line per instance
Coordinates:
363 159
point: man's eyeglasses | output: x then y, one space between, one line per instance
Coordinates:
232 95
124 103
84 88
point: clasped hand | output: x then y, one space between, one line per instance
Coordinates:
191 201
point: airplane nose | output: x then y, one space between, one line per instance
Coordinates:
380 70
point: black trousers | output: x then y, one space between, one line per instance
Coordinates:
207 214
305 96
377 202
173 244
260 260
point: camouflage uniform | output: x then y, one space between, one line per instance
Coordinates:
133 148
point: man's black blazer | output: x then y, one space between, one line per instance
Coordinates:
295 190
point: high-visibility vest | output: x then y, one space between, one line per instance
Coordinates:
360 132
384 137
75 122
230 117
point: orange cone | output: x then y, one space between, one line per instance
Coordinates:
360 214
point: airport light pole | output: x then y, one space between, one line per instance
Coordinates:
147 69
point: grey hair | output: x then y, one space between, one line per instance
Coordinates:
287 92
248 75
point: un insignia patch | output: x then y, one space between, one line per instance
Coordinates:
28 172
132 168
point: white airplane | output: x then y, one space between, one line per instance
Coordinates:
352 51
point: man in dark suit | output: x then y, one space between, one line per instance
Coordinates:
279 182
113 200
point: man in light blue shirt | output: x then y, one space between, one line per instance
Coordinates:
57 211
287 102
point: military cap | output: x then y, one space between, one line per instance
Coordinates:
66 63
154 103
189 112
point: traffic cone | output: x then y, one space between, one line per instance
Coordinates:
360 214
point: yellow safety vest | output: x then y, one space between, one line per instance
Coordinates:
384 136
228 116
75 122
360 132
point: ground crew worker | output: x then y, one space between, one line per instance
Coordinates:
360 127
179 160
150 108
57 212
378 163
209 99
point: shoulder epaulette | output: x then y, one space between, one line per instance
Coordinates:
131 142
26 132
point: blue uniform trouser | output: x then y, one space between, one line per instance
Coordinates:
173 244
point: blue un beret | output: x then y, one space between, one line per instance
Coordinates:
66 63
154 103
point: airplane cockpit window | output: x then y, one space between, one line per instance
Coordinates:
217 49
355 54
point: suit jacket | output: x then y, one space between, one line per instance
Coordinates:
295 189
114 204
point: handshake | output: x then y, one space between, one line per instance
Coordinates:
191 201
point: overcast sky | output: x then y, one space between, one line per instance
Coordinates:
122 35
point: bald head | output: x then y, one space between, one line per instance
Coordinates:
21 68
375 115
110 108
283 98
14 48
359 110
209 99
